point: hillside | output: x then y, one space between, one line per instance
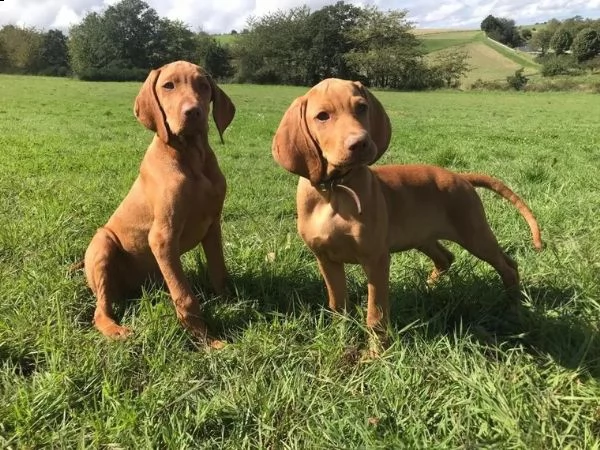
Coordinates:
488 59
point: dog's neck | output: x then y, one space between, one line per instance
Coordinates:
185 143
338 179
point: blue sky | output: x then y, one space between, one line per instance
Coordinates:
224 15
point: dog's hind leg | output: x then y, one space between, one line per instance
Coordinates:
483 245
442 259
101 273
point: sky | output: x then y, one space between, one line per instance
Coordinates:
222 16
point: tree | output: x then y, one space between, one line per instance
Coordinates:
451 66
541 40
502 30
217 60
526 34
552 26
561 41
275 49
385 52
22 48
54 53
490 24
4 62
132 25
90 46
172 41
127 40
586 44
331 29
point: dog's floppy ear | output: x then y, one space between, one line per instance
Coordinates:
223 108
293 148
147 108
379 122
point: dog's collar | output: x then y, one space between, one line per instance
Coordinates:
337 180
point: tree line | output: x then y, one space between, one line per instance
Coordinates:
121 43
297 46
300 46
564 47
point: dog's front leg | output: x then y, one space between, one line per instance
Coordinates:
164 243
212 244
378 305
335 280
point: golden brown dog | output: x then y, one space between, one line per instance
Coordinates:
174 204
350 213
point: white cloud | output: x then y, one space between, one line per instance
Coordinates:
225 15
65 18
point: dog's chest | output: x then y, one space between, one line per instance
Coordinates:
340 238
206 197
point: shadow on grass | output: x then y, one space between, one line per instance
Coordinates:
458 304
481 308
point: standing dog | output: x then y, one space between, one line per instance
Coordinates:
174 204
350 213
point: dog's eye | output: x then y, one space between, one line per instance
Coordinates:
323 116
361 108
169 86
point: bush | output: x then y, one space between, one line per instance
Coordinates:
556 85
561 41
553 65
113 73
489 85
55 71
591 64
586 44
518 81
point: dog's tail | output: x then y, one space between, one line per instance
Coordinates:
493 184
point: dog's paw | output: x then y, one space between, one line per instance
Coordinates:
116 332
378 342
216 344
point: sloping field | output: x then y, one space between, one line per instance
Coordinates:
488 59
522 58
435 40
488 64
431 32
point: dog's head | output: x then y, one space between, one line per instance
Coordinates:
336 126
175 101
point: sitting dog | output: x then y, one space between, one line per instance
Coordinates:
351 213
174 204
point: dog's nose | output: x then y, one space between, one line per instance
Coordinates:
192 112
357 143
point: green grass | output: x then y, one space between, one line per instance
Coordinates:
461 372
521 58
488 60
225 38
437 40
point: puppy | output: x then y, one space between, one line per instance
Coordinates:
174 204
351 213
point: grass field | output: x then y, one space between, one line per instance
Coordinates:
461 372
488 60
226 38
435 40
